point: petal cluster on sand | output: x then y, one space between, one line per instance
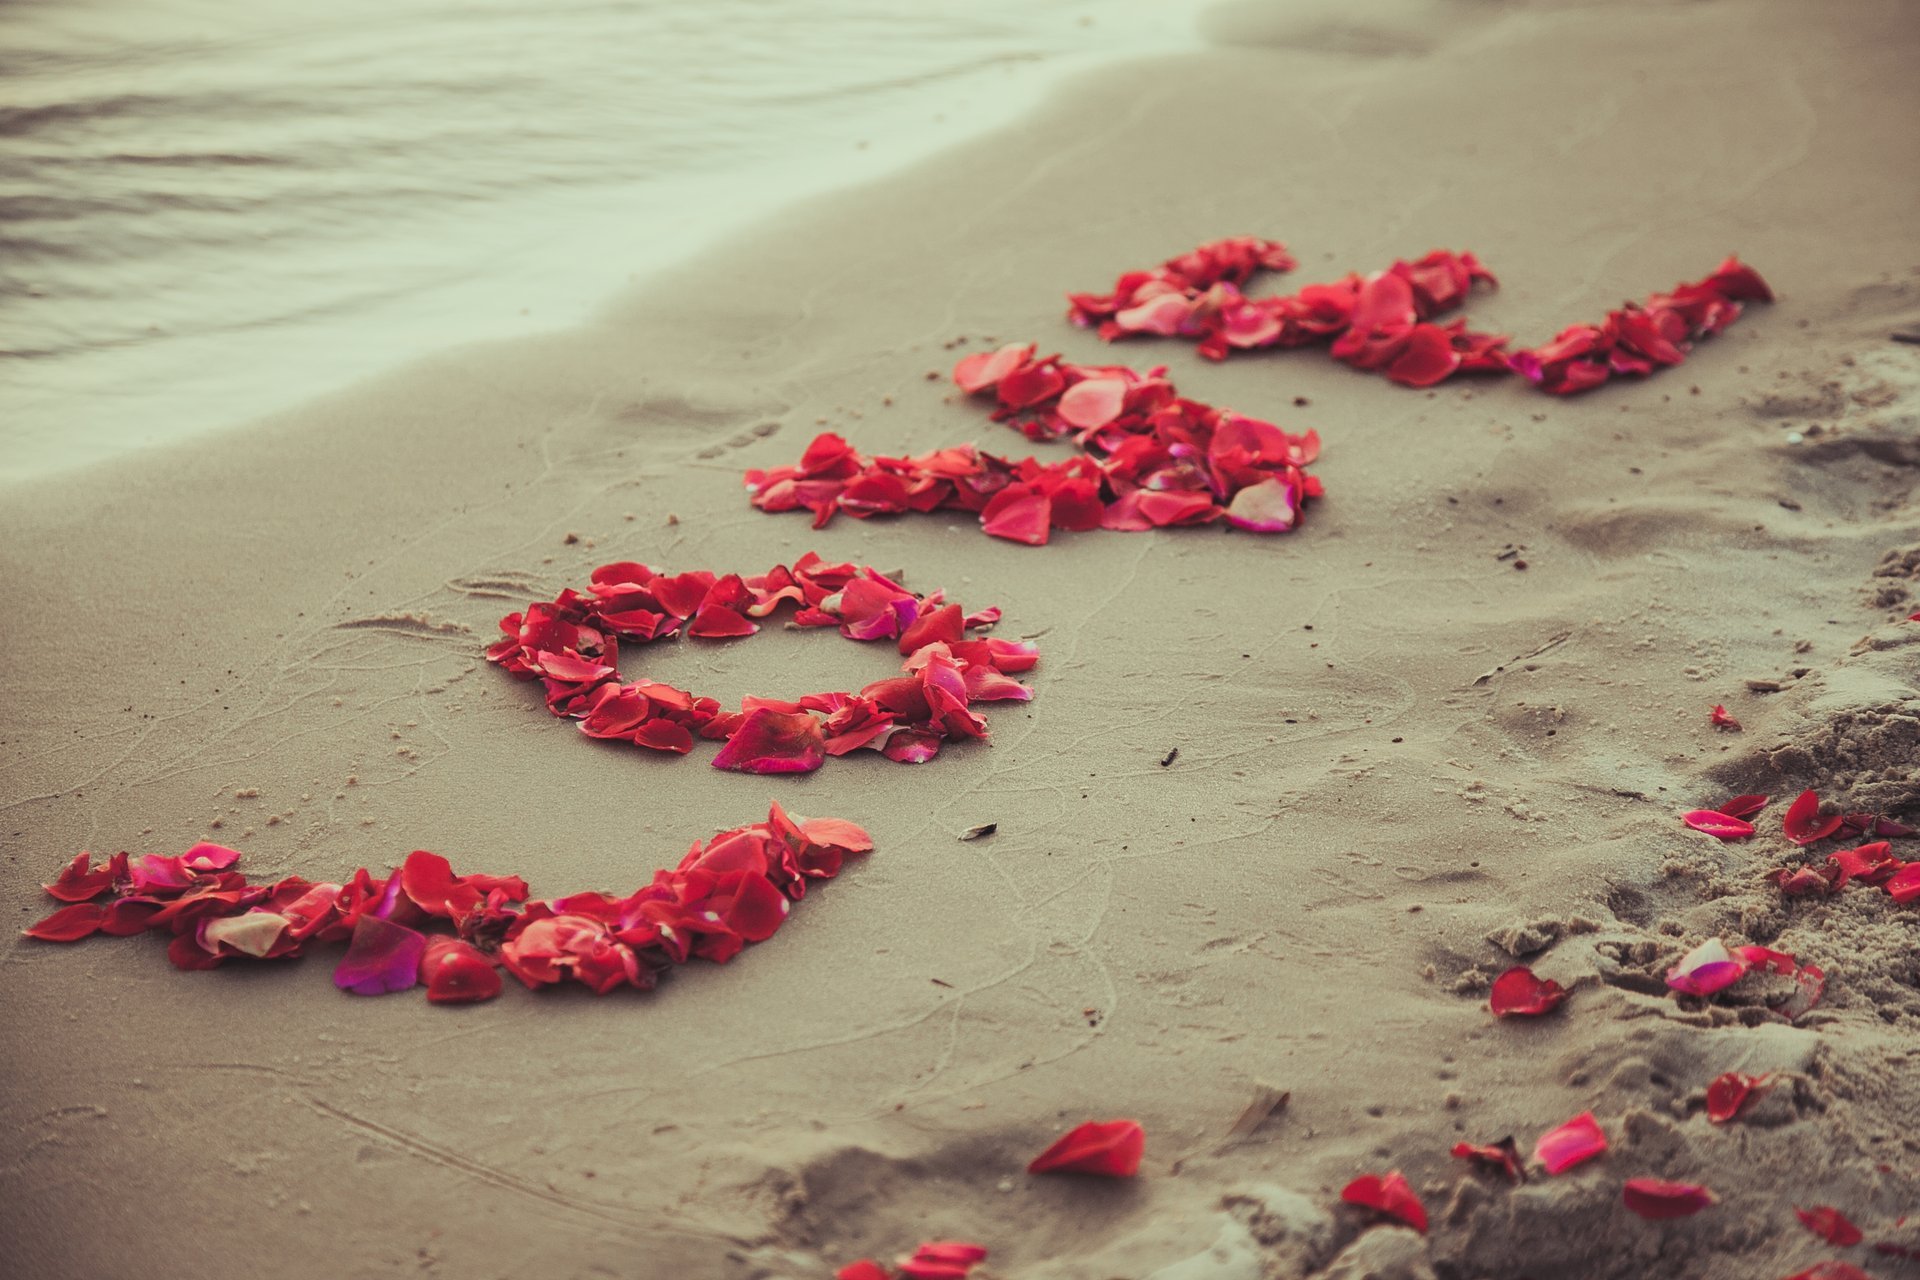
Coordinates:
1383 321
571 645
1146 458
1380 322
736 888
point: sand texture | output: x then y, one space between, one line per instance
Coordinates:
1402 760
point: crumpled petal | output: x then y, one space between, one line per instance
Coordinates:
1729 1092
1389 1194
455 972
1803 824
1502 1157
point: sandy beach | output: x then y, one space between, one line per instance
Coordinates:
1404 763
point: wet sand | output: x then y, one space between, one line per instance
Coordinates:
1402 762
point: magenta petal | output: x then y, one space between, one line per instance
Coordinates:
382 957
1708 968
1271 506
769 741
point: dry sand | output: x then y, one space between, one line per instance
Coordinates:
271 639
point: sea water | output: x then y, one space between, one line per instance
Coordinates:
214 209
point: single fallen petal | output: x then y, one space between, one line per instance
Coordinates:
80 880
1389 1194
864 1269
1729 1092
455 972
1519 993
1829 1224
1721 718
1904 886
1803 824
1744 806
1708 968
1577 1140
1718 825
1652 1198
774 742
1502 1157
1109 1149
1831 1271
382 957
69 924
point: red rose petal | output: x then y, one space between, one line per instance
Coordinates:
1829 1224
1729 1093
1904 886
1018 513
1744 806
1519 993
1502 1157
1390 1195
864 1269
69 924
455 972
1577 1140
80 881
1721 718
1718 825
774 742
1109 1149
1803 824
1652 1198
1831 1271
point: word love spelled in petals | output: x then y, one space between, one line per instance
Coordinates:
735 889
571 645
1109 1149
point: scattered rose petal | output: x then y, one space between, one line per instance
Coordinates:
864 1269
1729 1092
1721 718
1652 1198
69 924
1904 885
1831 1271
1803 824
1744 806
1718 825
1389 1194
1502 1157
1519 993
1577 1140
1708 968
1829 1224
1109 1149
941 1260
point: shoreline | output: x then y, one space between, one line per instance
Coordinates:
1357 832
